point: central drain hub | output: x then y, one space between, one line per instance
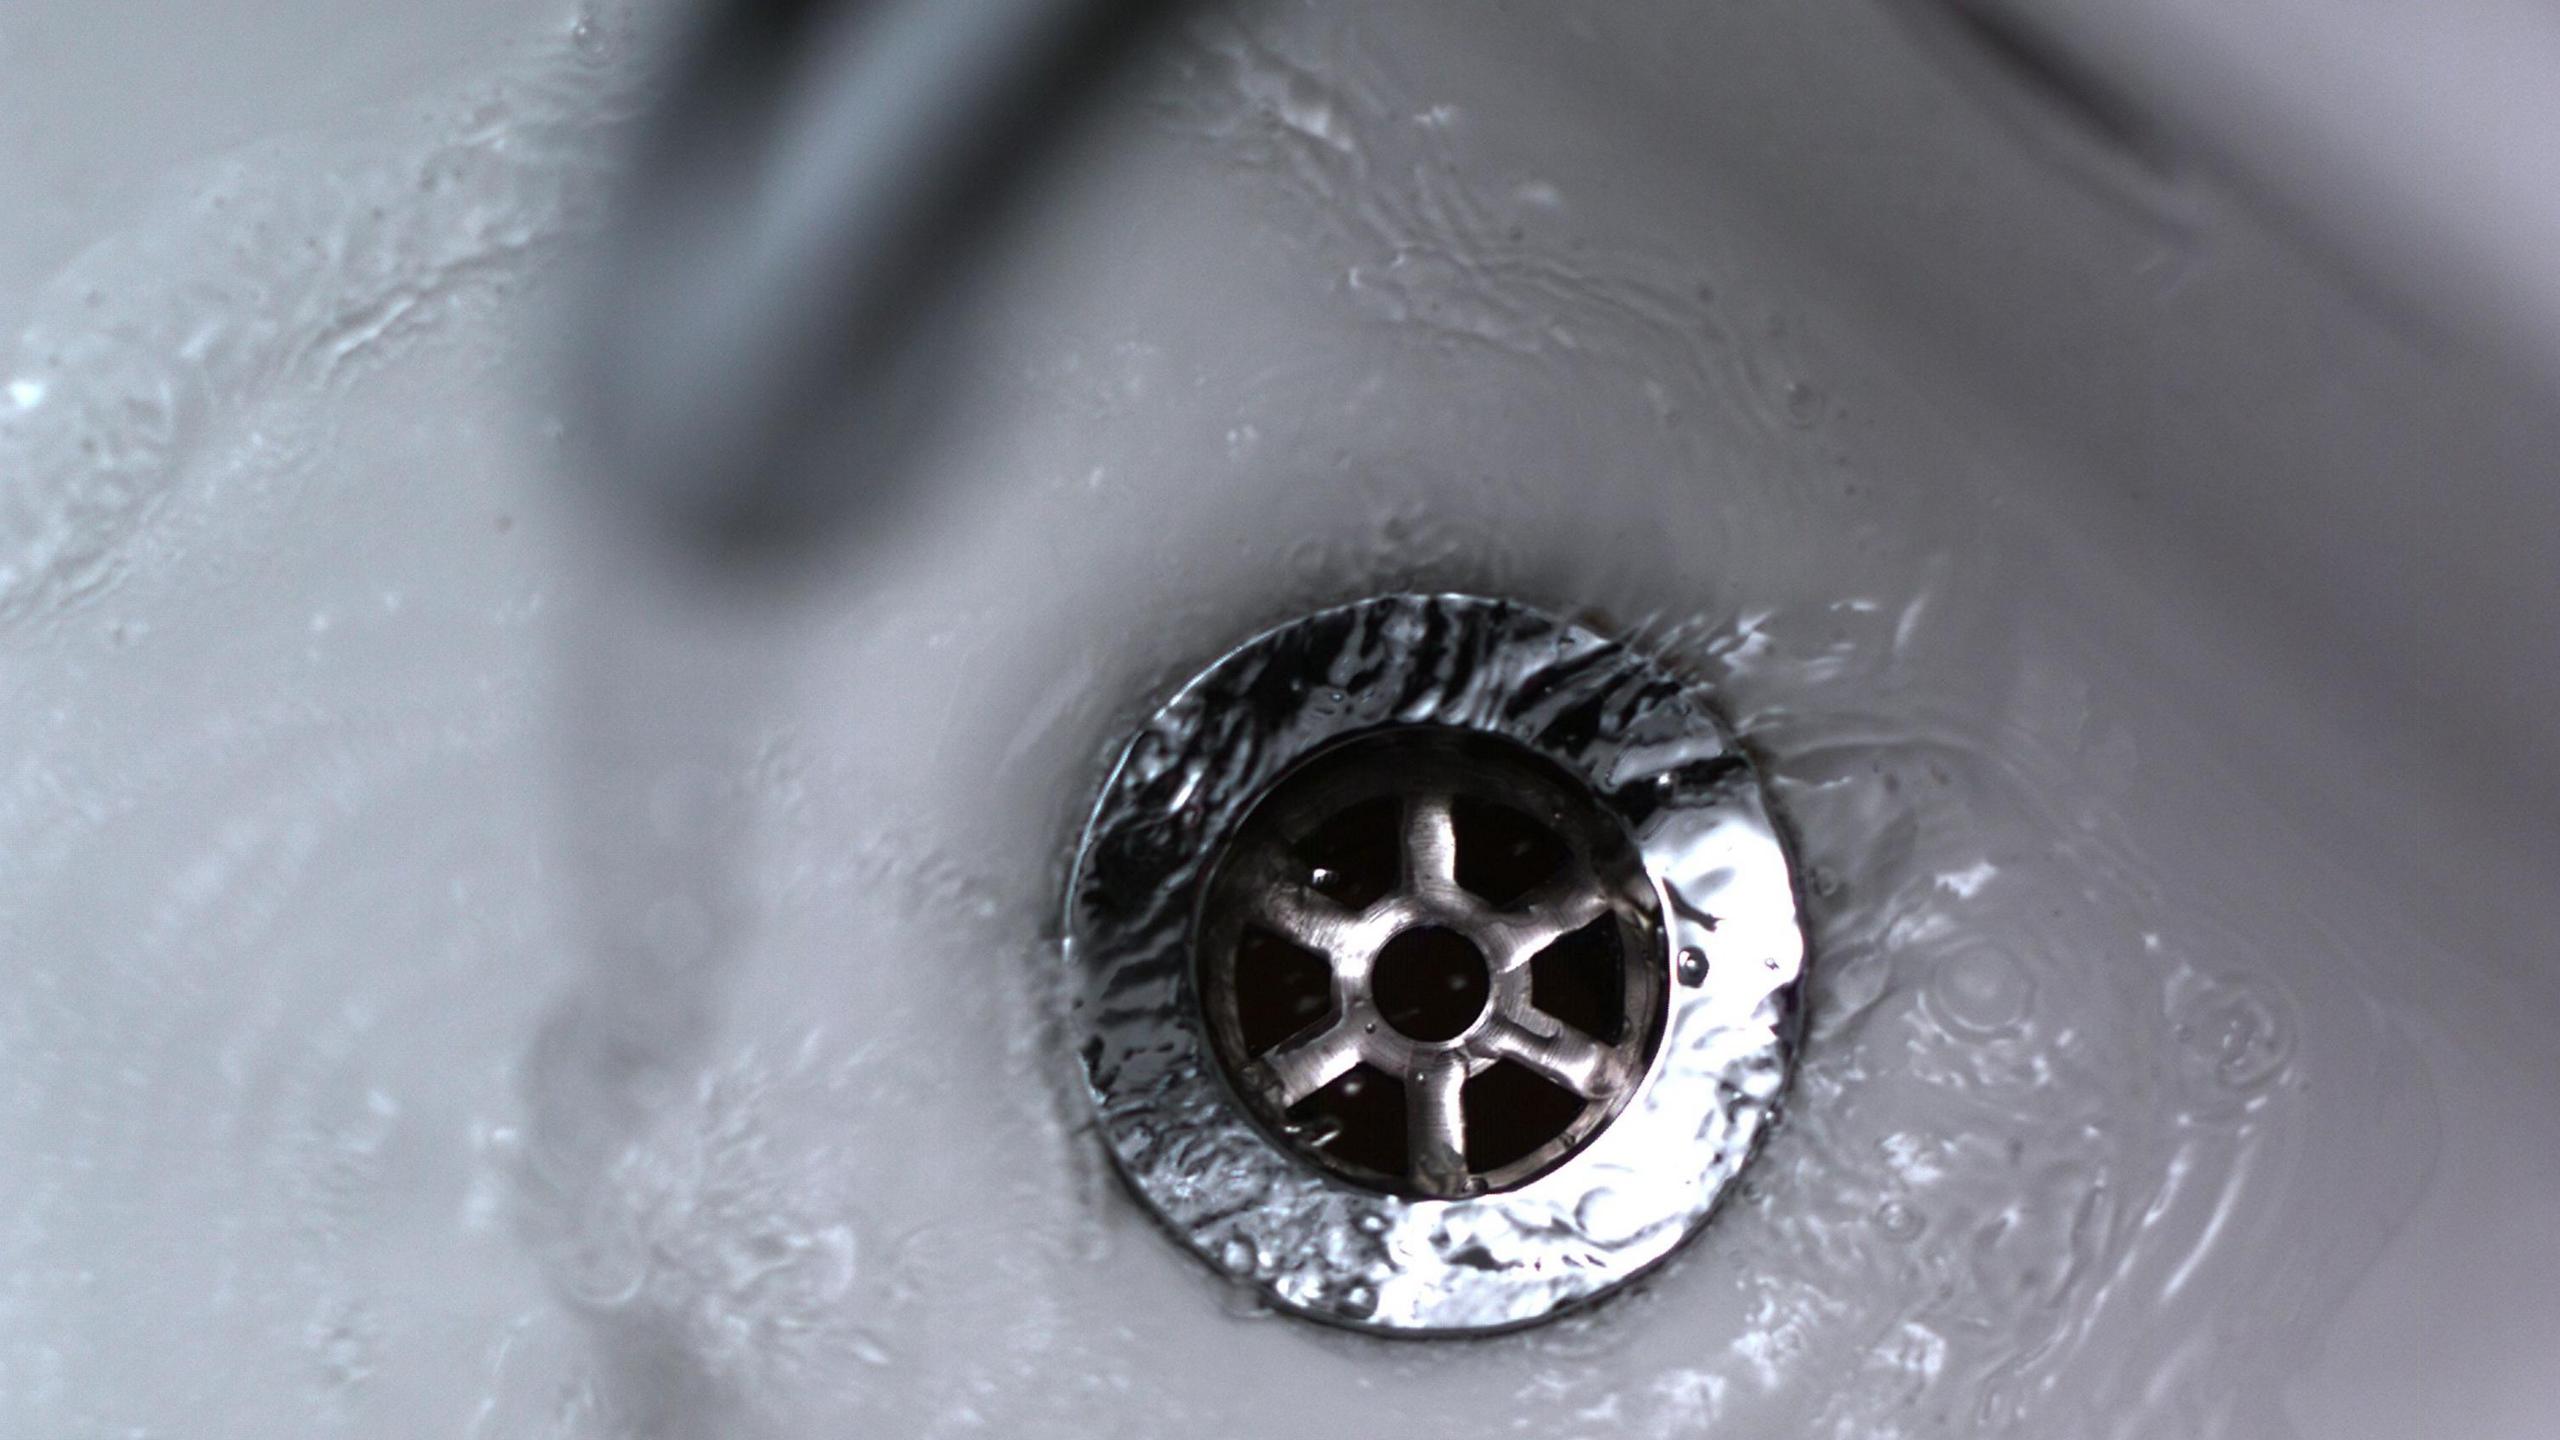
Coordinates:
1430 984
1436 964
1442 914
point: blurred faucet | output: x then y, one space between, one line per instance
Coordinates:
2415 146
760 352
760 349
758 362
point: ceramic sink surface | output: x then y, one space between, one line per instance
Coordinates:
2147 632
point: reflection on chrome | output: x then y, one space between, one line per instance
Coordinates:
1703 897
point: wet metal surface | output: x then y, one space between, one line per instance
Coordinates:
1480 917
1436 1262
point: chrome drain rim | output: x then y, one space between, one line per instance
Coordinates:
1451 1249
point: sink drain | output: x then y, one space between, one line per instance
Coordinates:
1437 964
1414 958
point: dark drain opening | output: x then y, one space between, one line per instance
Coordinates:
1506 854
1511 1111
1357 860
1358 1120
1430 983
1581 980
1282 989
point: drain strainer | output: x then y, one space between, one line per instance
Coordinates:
1436 964
1414 958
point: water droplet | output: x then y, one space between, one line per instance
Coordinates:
587 37
1693 965
1980 991
605 1266
2235 1032
1898 1221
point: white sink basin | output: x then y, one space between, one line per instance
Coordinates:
2149 637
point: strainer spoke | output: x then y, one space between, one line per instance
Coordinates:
1543 917
1436 1124
1283 900
1300 1070
1430 842
1568 1057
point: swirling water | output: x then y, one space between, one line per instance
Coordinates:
454 992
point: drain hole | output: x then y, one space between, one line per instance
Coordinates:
1357 1120
1503 854
1433 816
1356 853
1282 989
1430 983
1457 847
1512 1111
1581 980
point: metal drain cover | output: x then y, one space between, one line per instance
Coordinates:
1436 964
